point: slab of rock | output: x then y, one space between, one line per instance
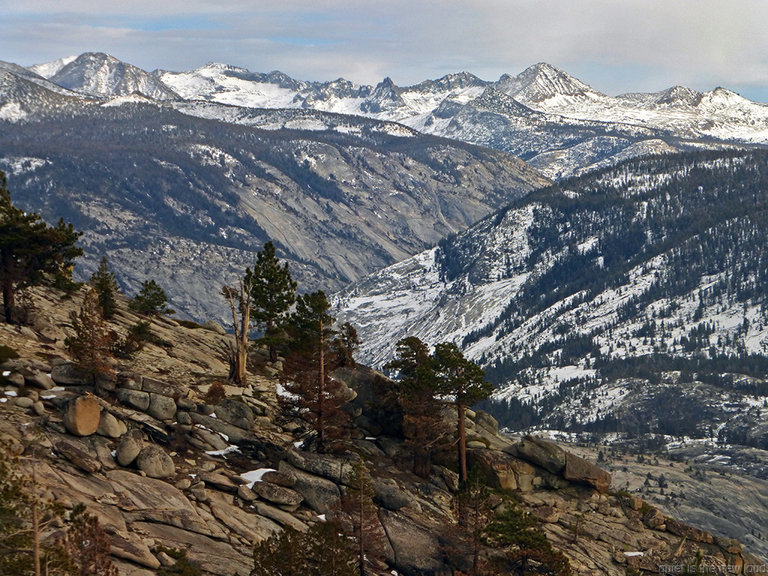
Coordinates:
158 387
245 493
131 547
320 494
161 407
503 471
279 478
236 435
218 481
155 462
236 413
578 469
134 398
542 453
277 494
129 448
66 375
251 526
416 550
390 495
280 516
330 467
78 456
689 532
82 415
40 380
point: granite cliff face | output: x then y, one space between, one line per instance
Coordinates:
161 468
189 201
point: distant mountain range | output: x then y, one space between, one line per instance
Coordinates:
187 192
555 122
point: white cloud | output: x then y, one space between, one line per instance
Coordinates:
615 45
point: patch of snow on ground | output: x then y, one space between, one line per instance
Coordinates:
255 476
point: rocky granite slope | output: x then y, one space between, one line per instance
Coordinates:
163 469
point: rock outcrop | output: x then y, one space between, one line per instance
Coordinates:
214 479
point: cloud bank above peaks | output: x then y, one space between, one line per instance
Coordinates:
615 46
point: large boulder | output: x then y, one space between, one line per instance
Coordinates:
67 375
161 407
134 398
390 495
331 467
110 426
129 448
82 415
579 470
155 462
277 494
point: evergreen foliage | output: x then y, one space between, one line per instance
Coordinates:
358 504
103 281
315 396
416 393
345 345
93 343
273 292
24 516
87 545
464 381
30 250
150 300
321 551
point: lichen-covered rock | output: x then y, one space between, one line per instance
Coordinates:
319 494
277 494
82 415
416 549
66 374
155 462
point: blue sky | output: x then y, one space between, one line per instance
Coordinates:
614 45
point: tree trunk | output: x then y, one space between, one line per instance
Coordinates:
272 348
9 302
321 394
460 408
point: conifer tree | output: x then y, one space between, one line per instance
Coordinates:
150 300
463 380
321 551
417 396
24 517
318 398
104 283
345 345
87 545
358 504
91 346
273 292
30 249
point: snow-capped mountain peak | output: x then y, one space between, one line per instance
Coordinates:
542 82
49 69
102 75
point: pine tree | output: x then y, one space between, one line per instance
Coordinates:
150 300
24 517
104 283
345 345
417 396
465 382
30 250
87 545
273 292
321 551
91 346
358 504
317 398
